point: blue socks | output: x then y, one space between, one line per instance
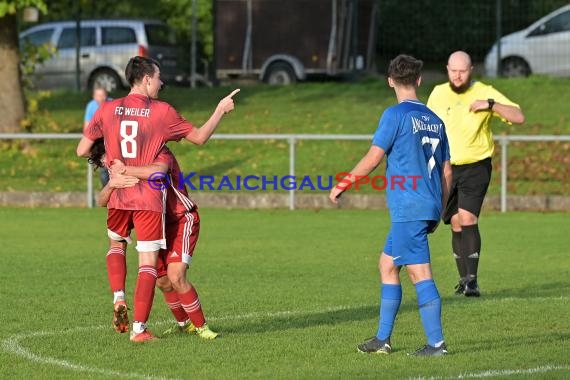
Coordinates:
429 303
430 310
389 305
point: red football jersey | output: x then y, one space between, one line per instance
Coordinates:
178 202
135 128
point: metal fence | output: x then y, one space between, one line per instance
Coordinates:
292 139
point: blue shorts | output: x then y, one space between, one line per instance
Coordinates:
407 242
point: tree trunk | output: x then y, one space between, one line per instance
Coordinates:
12 109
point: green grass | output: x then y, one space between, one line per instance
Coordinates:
291 292
316 108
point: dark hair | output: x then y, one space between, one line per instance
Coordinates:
405 69
138 67
96 153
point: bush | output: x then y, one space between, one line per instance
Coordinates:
36 120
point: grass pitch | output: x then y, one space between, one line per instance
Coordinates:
291 292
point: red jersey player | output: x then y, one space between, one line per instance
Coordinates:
135 128
182 231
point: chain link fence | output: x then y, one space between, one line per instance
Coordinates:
431 30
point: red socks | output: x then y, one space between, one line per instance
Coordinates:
175 307
116 268
191 305
144 292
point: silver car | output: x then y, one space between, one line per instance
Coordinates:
106 47
542 48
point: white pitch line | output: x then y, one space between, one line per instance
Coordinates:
285 313
511 372
499 372
12 343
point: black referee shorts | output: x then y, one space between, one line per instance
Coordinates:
468 188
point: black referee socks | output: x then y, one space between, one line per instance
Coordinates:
471 249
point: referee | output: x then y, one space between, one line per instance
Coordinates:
466 107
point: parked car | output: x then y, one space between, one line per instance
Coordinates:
106 47
542 48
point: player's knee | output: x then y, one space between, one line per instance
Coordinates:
389 272
179 282
177 276
117 244
148 258
164 284
455 223
469 221
419 272
466 218
389 276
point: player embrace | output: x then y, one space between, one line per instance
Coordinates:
136 139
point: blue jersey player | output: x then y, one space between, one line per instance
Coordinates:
413 139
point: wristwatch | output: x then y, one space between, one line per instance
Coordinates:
491 104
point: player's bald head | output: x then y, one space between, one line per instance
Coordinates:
459 59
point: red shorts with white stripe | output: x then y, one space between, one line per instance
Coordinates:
181 238
148 224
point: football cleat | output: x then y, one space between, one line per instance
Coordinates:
188 328
145 336
428 350
375 346
120 317
472 289
204 332
460 288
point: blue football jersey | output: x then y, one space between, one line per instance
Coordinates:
415 143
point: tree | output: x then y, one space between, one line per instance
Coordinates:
176 13
11 95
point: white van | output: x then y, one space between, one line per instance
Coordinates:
542 48
106 47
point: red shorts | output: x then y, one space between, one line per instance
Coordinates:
181 239
148 224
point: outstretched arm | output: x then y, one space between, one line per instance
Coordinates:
200 136
366 165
